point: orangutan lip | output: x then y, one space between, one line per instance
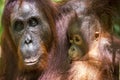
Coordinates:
32 60
30 63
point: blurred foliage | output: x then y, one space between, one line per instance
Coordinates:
116 30
1 11
56 0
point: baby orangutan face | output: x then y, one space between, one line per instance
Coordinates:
76 51
78 45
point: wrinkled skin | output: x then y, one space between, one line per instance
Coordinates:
29 30
26 40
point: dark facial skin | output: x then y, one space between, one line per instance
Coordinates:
78 46
30 32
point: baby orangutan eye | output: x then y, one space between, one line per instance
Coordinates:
77 39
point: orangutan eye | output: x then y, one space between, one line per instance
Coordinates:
18 26
33 22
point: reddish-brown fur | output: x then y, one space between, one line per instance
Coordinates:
104 64
10 70
101 62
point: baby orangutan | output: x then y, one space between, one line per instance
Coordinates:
78 45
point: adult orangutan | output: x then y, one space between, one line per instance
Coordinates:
28 37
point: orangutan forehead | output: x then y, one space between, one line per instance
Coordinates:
26 8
